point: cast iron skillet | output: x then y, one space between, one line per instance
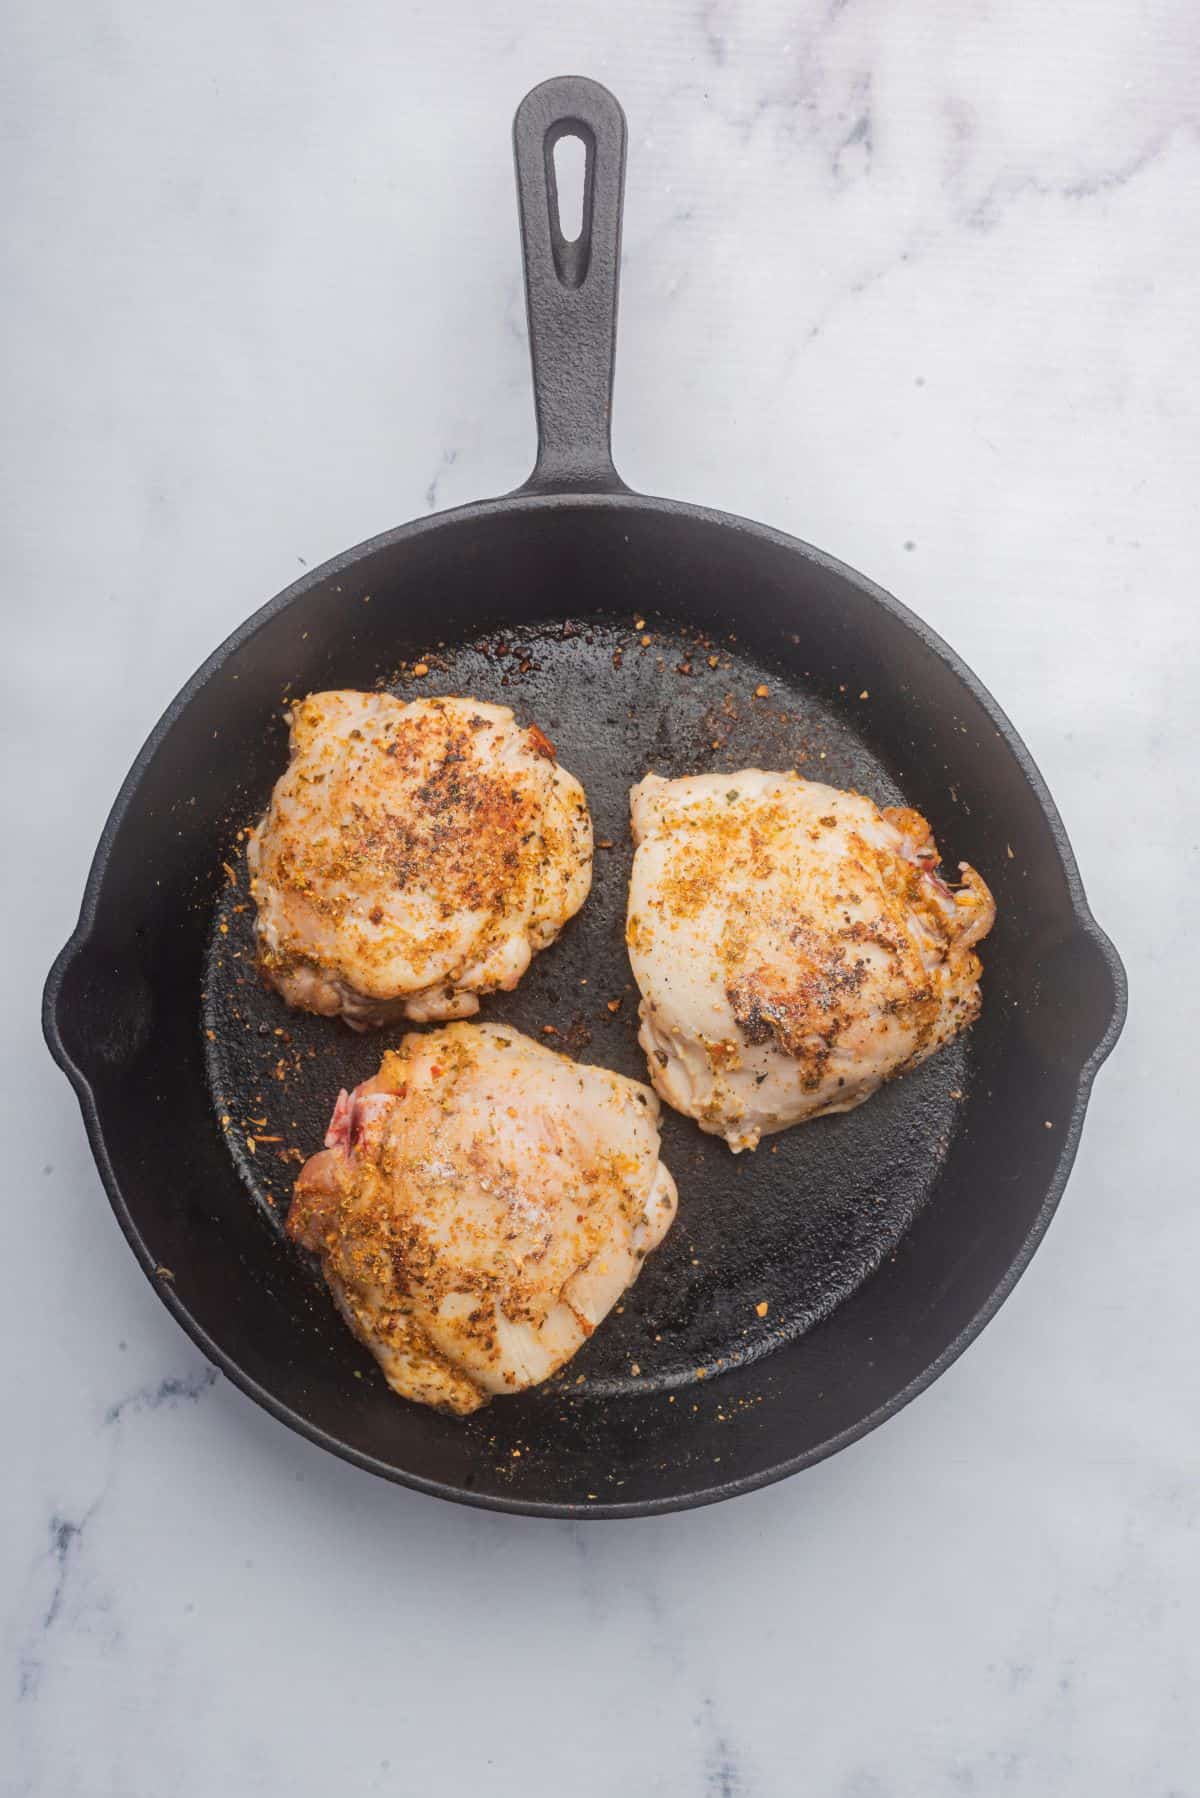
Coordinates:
879 1242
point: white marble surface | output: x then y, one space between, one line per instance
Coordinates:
918 281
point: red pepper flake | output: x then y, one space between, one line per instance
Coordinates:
420 669
763 691
549 1030
436 1071
615 1004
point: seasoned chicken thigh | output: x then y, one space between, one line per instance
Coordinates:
480 1206
413 857
794 946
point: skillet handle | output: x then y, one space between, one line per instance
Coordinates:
571 288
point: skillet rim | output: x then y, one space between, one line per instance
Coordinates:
532 501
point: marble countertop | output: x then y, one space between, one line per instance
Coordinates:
917 282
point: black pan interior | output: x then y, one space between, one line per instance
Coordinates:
874 1239
796 1226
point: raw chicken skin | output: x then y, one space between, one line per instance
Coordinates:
413 857
794 946
480 1206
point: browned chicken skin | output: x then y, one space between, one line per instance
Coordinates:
480 1206
413 856
794 946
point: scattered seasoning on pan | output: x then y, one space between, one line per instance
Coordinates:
864 694
762 1307
420 669
614 1005
634 1368
164 1273
762 692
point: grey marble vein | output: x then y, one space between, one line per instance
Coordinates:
176 1389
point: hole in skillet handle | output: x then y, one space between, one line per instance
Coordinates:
571 283
568 177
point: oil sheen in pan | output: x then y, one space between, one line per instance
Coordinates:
795 1226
